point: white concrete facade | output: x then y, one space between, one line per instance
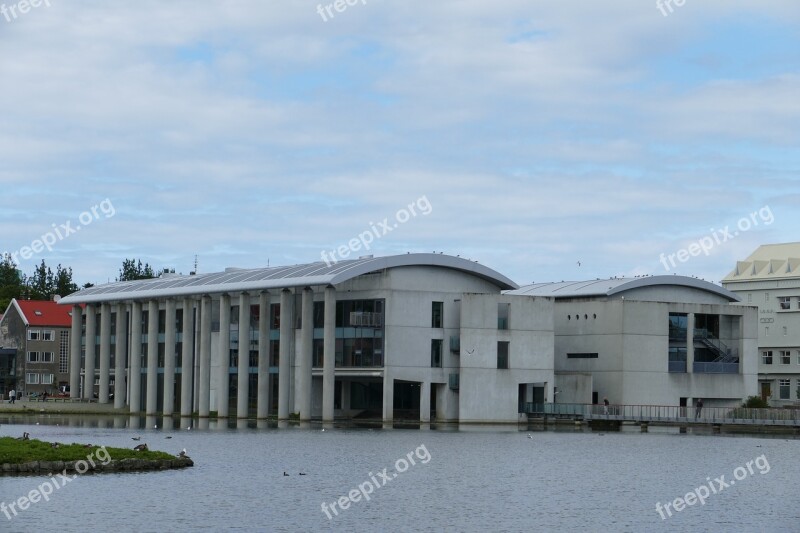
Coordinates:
617 345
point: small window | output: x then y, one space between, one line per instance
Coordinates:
766 357
785 388
47 357
502 355
436 353
594 316
48 335
32 378
766 331
581 356
437 310
786 357
766 297
34 334
503 310
33 357
47 379
749 298
785 302
569 317
785 330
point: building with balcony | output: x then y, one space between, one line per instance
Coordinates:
34 347
415 336
770 279
659 340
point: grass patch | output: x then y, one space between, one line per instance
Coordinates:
15 451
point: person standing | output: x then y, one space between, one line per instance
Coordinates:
698 409
12 396
605 406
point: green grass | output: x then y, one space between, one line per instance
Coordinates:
16 451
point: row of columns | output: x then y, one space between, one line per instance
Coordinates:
202 387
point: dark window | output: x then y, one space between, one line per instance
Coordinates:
502 315
437 310
581 356
502 355
436 353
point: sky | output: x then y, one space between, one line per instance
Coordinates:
548 140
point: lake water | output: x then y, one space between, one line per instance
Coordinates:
462 479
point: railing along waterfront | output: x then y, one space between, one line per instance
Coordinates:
668 413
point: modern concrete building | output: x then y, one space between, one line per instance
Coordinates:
412 336
770 279
34 337
662 340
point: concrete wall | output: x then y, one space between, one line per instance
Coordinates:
486 392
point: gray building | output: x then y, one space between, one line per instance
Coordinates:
661 340
414 336
770 279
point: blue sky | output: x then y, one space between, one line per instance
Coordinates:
542 133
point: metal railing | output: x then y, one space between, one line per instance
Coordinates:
668 413
715 368
677 366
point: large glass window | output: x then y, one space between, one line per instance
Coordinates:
678 325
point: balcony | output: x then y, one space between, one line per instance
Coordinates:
677 366
715 368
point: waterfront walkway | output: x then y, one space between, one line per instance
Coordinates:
667 414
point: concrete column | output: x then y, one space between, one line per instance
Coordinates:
88 364
120 356
388 397
105 352
169 358
303 393
287 329
75 352
135 374
690 343
187 365
243 381
224 355
204 383
329 355
152 358
425 401
262 407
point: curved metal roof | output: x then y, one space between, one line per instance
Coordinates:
610 287
312 274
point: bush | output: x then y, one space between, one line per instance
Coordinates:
755 402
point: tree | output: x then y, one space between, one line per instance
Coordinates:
43 284
63 281
132 270
10 281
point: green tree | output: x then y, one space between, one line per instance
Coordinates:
132 270
10 281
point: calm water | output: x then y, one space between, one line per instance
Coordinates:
475 479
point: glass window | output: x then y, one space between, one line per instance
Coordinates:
436 353
502 315
437 309
32 378
47 335
502 355
47 357
47 379
786 357
678 326
785 302
785 386
34 334
33 357
766 357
